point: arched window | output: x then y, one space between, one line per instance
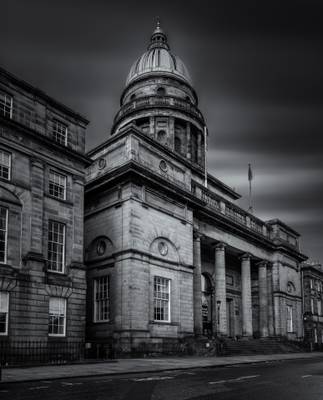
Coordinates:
161 91
161 137
132 97
206 285
178 144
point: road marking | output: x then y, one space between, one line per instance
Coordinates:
306 376
247 377
67 383
4 391
153 378
38 387
241 378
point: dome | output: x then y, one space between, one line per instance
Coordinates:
158 58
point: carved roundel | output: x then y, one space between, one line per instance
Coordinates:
101 247
102 163
163 248
290 287
163 166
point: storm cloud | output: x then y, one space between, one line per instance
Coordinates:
256 66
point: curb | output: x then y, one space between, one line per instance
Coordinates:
115 373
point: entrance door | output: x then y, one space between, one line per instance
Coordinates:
230 318
206 305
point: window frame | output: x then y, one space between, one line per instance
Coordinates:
97 302
2 110
319 307
9 167
161 299
62 271
59 175
6 235
56 131
65 317
5 333
289 319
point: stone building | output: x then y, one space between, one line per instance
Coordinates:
42 164
312 279
169 252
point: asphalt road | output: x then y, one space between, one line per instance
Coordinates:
284 380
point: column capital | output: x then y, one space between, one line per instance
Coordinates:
262 263
219 246
245 256
197 235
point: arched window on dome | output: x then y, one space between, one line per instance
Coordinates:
132 97
180 136
161 91
178 145
162 137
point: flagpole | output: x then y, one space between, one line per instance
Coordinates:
250 176
205 152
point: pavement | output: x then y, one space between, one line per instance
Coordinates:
139 365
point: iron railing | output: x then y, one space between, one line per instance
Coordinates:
21 352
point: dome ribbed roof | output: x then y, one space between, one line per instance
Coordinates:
158 58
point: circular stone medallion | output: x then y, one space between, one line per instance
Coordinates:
101 247
163 248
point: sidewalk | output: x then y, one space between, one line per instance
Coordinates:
126 366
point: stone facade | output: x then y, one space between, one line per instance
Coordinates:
312 279
169 253
42 163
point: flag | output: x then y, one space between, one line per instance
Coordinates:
250 174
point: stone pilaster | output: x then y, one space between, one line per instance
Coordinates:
263 299
220 290
246 295
197 294
37 192
270 302
199 148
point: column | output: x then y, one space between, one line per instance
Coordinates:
270 302
246 295
197 294
199 148
263 299
220 290
188 141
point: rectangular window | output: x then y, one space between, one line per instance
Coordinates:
312 306
5 165
56 246
6 105
161 299
3 234
319 307
60 132
101 299
57 316
57 185
4 312
289 319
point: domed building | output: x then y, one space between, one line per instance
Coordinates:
170 255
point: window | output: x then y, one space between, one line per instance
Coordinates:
60 132
5 165
57 185
4 311
101 299
3 234
5 105
56 246
312 306
161 299
57 316
289 319
161 91
319 307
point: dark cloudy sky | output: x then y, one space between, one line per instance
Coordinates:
257 67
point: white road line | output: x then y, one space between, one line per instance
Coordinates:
306 376
38 387
153 378
67 383
241 378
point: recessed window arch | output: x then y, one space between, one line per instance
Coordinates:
133 97
178 144
206 285
161 91
162 136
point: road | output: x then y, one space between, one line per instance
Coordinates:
284 380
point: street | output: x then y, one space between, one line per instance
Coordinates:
283 380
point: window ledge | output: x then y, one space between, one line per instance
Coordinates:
67 202
164 323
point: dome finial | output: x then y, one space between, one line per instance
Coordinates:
158 38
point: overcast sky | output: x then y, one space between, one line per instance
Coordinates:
257 67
